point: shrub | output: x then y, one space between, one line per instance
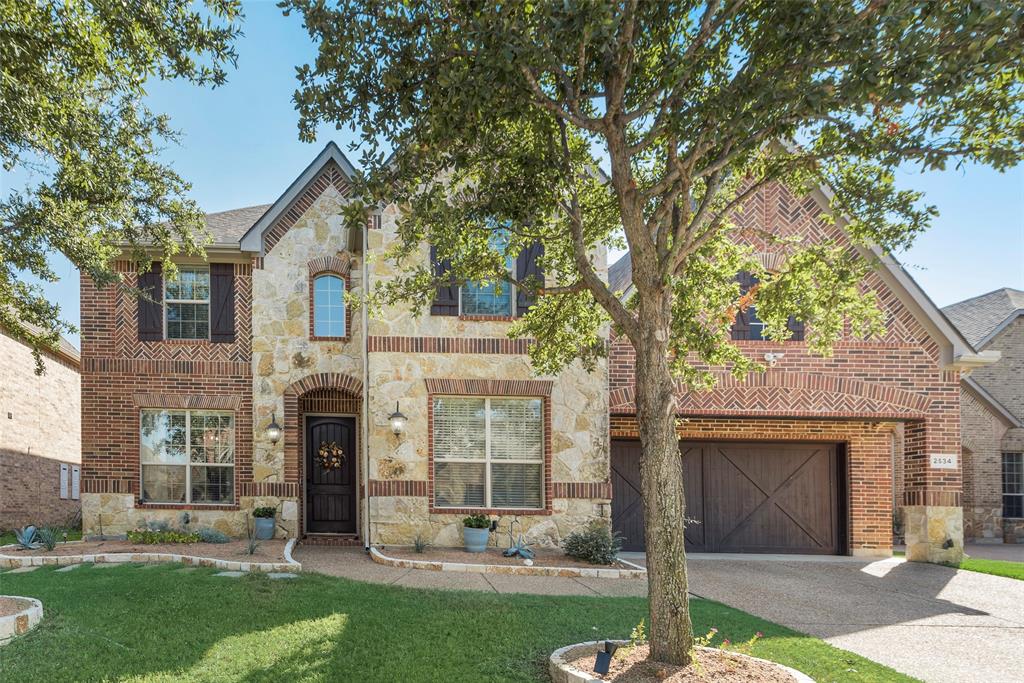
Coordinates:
208 535
476 522
596 544
265 512
147 537
158 525
50 536
420 543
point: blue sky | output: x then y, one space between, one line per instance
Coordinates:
240 147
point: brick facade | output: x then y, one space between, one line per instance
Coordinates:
40 428
853 396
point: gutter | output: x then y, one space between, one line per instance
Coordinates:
965 362
366 387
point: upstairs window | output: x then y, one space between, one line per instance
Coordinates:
748 326
1013 485
187 304
494 298
328 306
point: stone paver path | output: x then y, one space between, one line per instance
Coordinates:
282 575
23 570
232 575
68 568
353 563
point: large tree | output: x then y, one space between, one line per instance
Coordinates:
74 124
495 112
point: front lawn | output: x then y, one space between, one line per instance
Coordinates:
1006 568
159 623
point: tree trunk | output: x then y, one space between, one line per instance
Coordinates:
661 473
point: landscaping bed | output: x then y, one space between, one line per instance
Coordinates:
544 557
631 666
235 551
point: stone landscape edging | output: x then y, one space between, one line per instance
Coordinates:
508 569
562 671
20 622
289 565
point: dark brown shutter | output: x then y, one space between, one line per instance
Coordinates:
222 303
150 314
446 299
527 266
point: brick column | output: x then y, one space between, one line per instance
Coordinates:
932 514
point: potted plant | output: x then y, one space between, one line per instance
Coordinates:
475 531
264 518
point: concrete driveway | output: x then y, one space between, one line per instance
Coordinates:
932 622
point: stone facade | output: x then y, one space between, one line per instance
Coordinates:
40 429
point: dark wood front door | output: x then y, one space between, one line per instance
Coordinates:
331 494
742 497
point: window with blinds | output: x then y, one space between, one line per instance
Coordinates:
488 452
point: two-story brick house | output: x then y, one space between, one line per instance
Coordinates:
992 416
178 392
802 457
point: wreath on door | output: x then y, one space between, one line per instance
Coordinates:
330 455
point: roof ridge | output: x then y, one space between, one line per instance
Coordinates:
981 296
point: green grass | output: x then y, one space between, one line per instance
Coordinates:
8 537
1006 568
156 623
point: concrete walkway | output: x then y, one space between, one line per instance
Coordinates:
932 622
353 563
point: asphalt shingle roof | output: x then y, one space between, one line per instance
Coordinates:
977 317
229 226
620 274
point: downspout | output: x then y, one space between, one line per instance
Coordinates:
366 388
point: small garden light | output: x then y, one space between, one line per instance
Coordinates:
274 430
398 421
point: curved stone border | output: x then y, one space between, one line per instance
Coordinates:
562 671
21 622
289 565
511 569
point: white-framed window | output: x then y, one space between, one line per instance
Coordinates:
187 304
1013 485
493 298
328 306
488 452
187 456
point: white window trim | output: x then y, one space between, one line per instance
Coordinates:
488 461
167 300
344 306
188 465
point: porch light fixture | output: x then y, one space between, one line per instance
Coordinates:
274 430
398 421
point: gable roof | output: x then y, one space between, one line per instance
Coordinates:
982 317
620 274
252 240
227 227
990 401
65 350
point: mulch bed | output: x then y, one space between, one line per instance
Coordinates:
544 557
631 666
235 551
10 606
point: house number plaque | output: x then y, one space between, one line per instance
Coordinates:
943 461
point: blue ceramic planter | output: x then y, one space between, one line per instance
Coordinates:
475 539
264 528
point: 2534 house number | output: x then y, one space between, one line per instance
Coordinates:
943 461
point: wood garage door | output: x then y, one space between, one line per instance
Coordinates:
741 497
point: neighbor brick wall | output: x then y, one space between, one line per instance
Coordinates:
869 457
30 492
1005 378
122 375
982 468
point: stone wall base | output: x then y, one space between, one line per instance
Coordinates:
115 514
930 529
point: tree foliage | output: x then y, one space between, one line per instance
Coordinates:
495 113
73 121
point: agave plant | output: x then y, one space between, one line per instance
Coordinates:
520 549
26 537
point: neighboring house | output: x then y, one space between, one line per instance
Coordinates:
40 435
801 458
179 392
992 414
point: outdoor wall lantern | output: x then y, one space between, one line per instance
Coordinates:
398 421
274 430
